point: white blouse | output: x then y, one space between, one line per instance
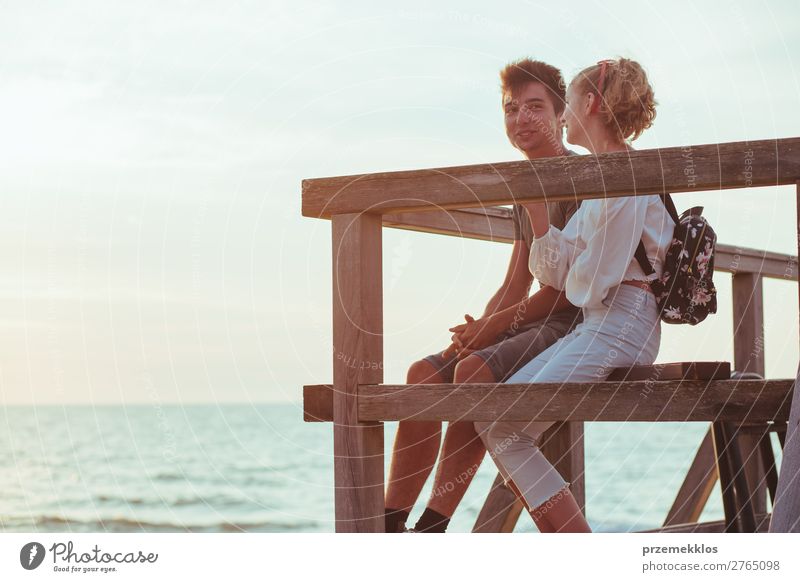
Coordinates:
595 250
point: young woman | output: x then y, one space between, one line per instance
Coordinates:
592 260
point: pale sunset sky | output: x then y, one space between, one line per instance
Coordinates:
151 155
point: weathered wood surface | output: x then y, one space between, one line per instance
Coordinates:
696 487
640 401
357 359
674 371
494 224
318 403
318 399
500 511
748 357
677 169
691 400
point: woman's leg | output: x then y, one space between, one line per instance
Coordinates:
626 333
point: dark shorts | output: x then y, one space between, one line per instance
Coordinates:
514 350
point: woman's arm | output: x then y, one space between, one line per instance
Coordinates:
554 251
517 282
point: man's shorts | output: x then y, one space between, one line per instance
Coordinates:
514 350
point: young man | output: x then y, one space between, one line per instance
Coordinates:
513 329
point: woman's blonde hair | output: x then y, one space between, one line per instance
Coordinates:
627 103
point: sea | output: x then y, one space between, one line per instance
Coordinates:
260 468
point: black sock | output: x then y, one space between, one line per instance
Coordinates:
431 522
395 520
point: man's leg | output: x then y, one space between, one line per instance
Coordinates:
416 447
461 455
463 450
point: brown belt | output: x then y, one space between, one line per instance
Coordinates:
640 284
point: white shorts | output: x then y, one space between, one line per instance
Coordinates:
625 332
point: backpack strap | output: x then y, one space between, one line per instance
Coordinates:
670 205
644 262
641 253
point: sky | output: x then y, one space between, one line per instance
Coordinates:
151 154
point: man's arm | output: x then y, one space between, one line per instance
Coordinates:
515 288
541 304
517 282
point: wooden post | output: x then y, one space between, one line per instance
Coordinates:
748 356
786 513
696 487
500 511
357 359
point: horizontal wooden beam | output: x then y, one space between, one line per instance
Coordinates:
494 224
693 168
639 401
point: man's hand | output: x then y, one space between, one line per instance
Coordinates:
472 335
457 346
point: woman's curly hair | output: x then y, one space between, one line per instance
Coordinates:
627 102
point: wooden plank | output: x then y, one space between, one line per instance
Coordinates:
786 510
739 514
676 169
748 323
563 445
697 486
318 403
666 401
674 371
687 400
734 259
500 511
357 359
494 224
748 357
698 401
718 526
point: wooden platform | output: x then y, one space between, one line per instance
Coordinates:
458 201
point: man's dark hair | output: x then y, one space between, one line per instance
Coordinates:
518 73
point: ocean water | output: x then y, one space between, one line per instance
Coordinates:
260 468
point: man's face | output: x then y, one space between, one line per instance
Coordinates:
531 120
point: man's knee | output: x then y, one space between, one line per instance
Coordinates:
473 369
423 372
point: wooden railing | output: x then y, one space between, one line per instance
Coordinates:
443 200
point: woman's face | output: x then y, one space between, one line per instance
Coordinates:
576 116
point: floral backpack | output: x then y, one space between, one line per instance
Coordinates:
685 292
